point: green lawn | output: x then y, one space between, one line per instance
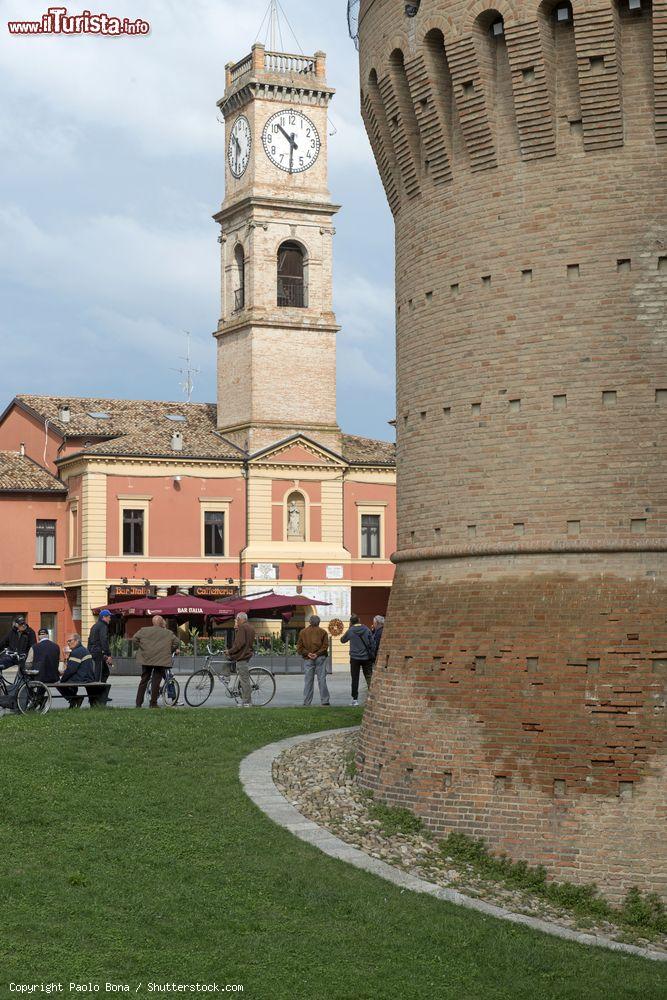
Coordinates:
130 853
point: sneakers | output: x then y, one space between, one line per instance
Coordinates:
354 703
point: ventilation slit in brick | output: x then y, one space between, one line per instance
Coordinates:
447 411
480 666
625 789
500 783
429 296
412 537
515 405
661 396
528 74
527 274
560 401
438 534
532 664
436 664
573 528
596 64
662 261
486 280
559 788
592 666
472 530
422 414
386 662
609 397
573 270
407 661
454 289
623 265
468 88
638 525
447 779
476 409
519 528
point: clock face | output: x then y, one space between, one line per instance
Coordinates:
240 141
291 141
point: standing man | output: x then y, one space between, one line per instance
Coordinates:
241 652
313 646
154 647
378 629
360 639
20 639
45 658
98 647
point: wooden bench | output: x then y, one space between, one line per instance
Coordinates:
54 685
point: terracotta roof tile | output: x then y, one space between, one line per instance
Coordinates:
368 451
19 474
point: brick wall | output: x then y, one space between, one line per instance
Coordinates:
527 176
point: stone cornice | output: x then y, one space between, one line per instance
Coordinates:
602 547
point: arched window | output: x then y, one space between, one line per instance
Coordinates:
296 517
238 277
292 284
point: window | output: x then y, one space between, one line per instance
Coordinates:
239 277
45 543
133 532
370 536
73 531
291 275
48 619
214 533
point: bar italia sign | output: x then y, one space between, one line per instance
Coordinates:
213 593
125 591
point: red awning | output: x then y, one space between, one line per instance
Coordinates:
172 606
268 602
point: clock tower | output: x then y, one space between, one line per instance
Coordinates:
276 336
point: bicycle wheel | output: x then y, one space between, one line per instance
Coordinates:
170 692
263 686
33 696
198 688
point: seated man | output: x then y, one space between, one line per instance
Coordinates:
80 668
20 639
44 657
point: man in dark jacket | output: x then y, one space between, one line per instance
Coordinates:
45 658
154 647
80 668
378 629
360 639
98 647
240 652
20 639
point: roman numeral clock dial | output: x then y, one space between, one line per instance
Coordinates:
291 141
240 141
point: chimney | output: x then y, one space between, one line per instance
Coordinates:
22 450
63 414
177 441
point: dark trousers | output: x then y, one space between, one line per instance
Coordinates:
100 696
158 677
355 667
71 694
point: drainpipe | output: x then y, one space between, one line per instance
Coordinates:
247 510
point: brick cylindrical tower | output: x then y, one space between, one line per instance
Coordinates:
520 695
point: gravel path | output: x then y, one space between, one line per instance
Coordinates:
317 777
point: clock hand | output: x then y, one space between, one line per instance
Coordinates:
291 157
290 138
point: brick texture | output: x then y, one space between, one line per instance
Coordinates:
524 695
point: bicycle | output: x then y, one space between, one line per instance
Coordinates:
199 685
170 689
24 694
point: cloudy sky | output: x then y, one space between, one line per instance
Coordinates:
113 165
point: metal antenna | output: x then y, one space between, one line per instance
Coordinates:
188 373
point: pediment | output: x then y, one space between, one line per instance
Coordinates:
297 451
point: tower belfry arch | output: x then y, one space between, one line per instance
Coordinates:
277 331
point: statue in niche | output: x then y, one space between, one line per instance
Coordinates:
296 518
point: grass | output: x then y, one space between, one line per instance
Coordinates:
131 854
644 913
393 819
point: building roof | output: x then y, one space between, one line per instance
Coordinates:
19 474
368 451
135 427
143 428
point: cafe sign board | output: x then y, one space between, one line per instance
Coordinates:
126 591
215 593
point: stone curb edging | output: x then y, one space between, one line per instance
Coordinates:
256 775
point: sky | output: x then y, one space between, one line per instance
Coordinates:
112 166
